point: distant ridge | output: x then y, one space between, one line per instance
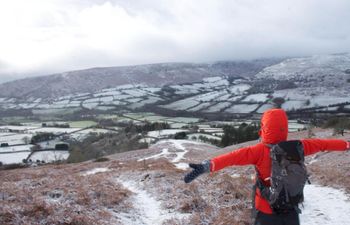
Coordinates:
94 79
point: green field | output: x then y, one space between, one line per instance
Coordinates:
82 124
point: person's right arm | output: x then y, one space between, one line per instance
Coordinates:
243 156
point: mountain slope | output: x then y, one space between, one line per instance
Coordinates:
119 191
92 80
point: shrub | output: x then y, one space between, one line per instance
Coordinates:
102 159
180 135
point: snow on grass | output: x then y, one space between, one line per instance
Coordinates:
107 93
16 139
107 99
183 119
134 100
223 97
240 88
325 100
82 123
91 100
242 108
294 126
140 104
212 79
324 134
165 152
293 104
177 125
150 89
49 156
15 148
316 96
17 157
165 132
218 107
182 104
147 210
200 107
55 130
197 135
325 205
210 96
134 92
73 104
104 108
264 107
96 170
63 111
256 98
173 156
81 135
28 105
121 97
90 105
18 128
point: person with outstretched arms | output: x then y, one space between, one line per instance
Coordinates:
280 168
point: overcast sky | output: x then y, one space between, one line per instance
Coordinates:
45 36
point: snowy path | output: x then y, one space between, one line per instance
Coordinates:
326 206
180 153
147 210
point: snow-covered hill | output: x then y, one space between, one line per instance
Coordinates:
318 83
146 187
96 79
315 71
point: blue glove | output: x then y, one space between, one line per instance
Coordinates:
198 169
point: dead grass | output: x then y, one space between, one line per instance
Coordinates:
59 195
332 169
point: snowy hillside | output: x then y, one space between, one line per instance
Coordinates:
96 79
145 187
318 70
318 84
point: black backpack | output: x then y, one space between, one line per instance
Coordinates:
288 177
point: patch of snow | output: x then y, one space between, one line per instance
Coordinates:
182 104
49 156
212 79
96 170
200 107
240 88
164 153
264 107
16 157
147 210
19 148
165 132
325 205
218 107
255 98
242 108
324 134
293 104
182 166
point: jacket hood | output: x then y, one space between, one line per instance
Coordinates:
274 126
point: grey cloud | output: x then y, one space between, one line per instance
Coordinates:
206 30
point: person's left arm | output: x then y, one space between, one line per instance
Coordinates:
312 146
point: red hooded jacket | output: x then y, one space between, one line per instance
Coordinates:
274 129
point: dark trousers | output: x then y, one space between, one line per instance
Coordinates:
290 218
